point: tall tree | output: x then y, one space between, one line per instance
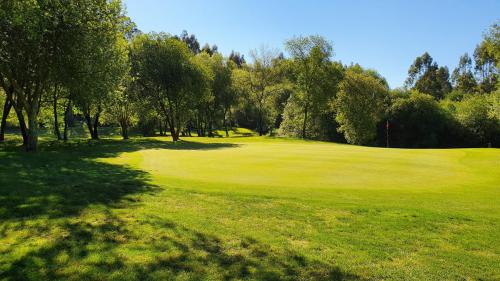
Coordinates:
42 41
487 59
463 76
313 74
169 78
219 87
191 42
26 57
101 67
359 105
209 50
261 82
237 58
427 77
485 68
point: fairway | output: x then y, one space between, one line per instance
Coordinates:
248 208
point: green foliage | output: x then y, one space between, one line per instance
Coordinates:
220 95
191 42
293 119
476 115
484 57
316 80
494 105
427 77
60 56
169 77
75 44
419 121
487 59
258 84
360 106
463 76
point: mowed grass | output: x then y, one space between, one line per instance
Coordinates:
247 208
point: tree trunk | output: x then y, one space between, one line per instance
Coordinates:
210 129
32 138
88 121
226 128
57 132
124 130
22 124
305 123
173 133
6 110
225 124
67 113
176 134
261 127
95 136
160 127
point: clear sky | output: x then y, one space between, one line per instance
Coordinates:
385 35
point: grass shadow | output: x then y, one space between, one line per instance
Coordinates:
63 178
95 251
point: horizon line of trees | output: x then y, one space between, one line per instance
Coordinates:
62 61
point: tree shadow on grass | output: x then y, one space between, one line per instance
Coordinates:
47 234
61 181
63 178
112 249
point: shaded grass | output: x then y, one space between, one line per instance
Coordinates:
247 209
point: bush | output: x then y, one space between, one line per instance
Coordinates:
419 121
475 114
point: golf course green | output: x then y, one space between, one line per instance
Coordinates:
247 208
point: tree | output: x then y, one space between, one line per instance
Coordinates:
315 78
41 45
209 50
102 64
487 59
225 94
169 78
359 106
26 57
263 82
474 114
494 105
122 108
485 68
191 41
418 120
463 77
258 83
237 58
427 77
5 113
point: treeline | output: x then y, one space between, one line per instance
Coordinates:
62 61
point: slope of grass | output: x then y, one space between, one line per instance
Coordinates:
247 208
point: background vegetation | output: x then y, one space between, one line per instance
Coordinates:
64 64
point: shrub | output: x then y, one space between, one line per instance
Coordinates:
419 121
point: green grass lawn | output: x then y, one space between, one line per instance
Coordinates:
247 208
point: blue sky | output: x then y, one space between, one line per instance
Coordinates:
385 35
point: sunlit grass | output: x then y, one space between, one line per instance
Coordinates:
248 208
